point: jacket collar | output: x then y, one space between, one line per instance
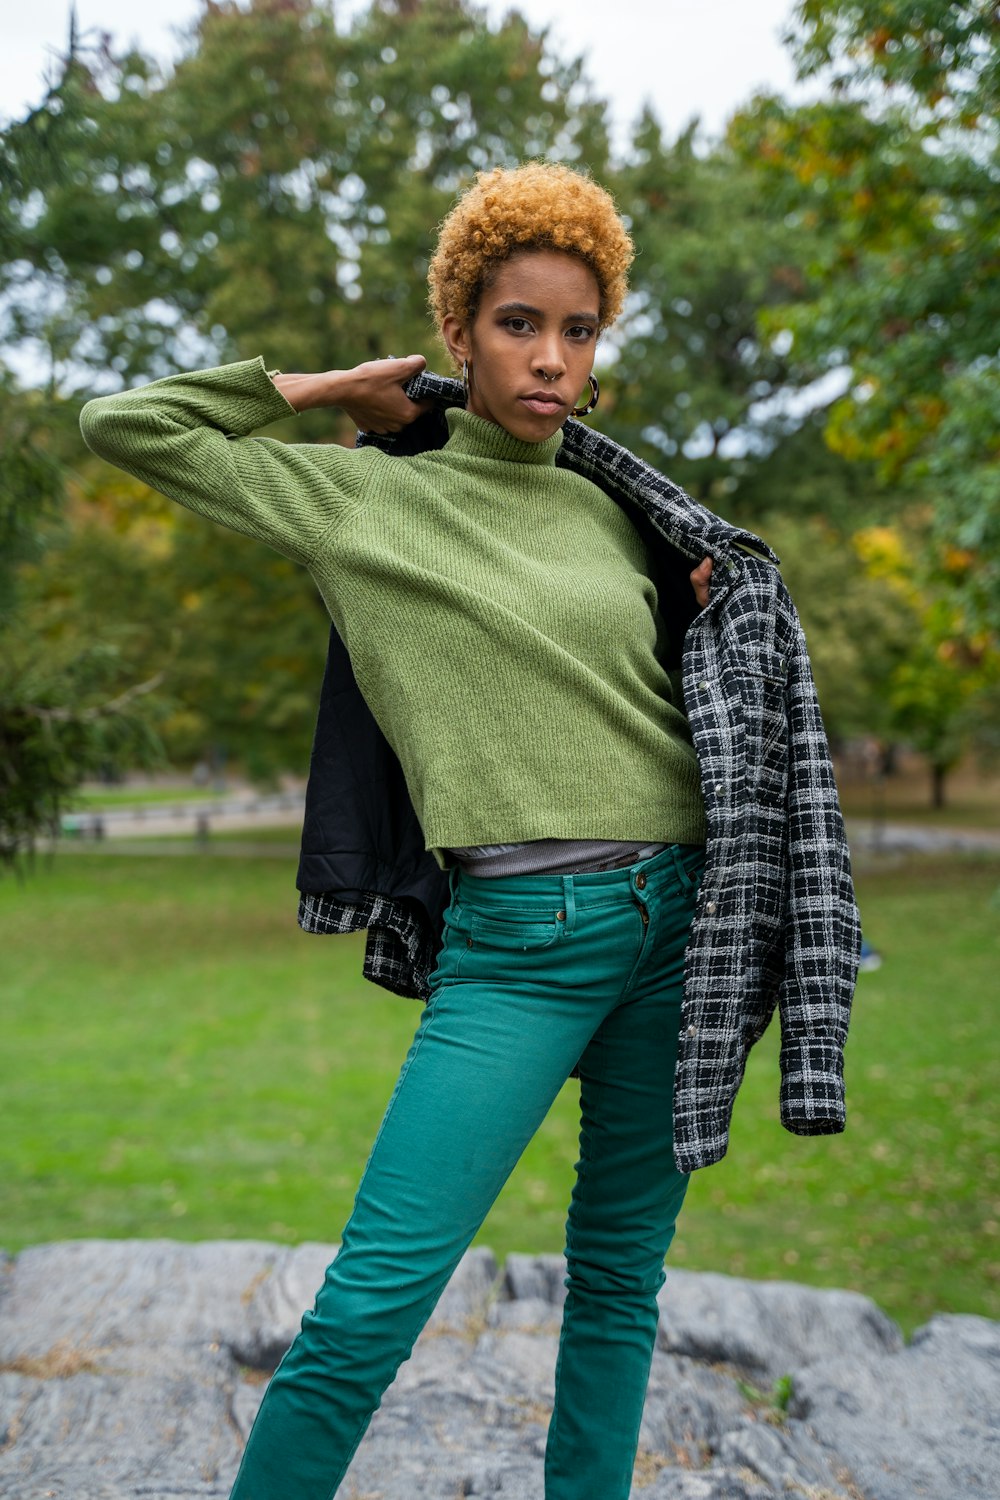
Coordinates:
687 525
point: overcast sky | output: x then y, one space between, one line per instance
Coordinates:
687 57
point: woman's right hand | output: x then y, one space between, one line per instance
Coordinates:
375 400
371 394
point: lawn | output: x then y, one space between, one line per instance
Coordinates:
180 1060
127 796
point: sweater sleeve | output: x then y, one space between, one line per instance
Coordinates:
188 437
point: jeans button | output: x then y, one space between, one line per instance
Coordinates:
640 880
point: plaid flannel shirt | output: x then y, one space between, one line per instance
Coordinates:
776 923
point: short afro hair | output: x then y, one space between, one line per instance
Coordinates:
537 206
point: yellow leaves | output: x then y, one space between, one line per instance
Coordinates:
883 552
841 432
957 560
944 643
884 555
897 442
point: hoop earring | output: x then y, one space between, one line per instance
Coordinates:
466 381
595 396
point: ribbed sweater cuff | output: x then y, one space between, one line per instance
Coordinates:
256 399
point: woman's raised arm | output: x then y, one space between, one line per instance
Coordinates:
188 436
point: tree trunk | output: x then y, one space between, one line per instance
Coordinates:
938 774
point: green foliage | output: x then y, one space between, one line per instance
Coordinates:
694 370
939 54
895 178
940 692
234 635
67 708
31 484
858 630
56 729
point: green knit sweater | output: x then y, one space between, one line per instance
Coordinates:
496 608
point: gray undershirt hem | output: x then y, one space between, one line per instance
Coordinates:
550 856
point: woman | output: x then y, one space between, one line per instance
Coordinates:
507 635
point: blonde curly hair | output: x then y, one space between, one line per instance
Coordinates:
537 206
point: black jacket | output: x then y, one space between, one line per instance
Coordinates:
776 922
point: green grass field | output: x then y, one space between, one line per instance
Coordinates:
93 800
180 1060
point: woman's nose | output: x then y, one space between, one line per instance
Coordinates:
548 361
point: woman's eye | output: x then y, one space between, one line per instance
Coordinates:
581 333
518 325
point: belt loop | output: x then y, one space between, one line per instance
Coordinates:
569 903
687 884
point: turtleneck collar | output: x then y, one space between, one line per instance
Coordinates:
478 438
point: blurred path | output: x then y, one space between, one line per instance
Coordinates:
875 837
161 828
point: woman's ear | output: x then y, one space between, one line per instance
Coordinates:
456 339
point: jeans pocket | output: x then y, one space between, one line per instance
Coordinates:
513 929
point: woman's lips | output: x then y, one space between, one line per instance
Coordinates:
545 405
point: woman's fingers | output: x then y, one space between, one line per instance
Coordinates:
699 580
378 402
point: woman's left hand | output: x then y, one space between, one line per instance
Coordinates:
699 580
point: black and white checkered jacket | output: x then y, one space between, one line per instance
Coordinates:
776 924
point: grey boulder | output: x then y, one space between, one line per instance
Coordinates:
135 1368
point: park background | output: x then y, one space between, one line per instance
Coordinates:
810 348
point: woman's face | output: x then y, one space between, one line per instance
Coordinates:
530 346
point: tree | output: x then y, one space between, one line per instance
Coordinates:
897 179
940 694
859 631
66 708
696 388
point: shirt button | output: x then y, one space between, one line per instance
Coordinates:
718 786
692 1031
703 683
640 881
711 908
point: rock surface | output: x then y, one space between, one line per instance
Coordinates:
134 1368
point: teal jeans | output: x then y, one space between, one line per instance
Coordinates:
536 973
